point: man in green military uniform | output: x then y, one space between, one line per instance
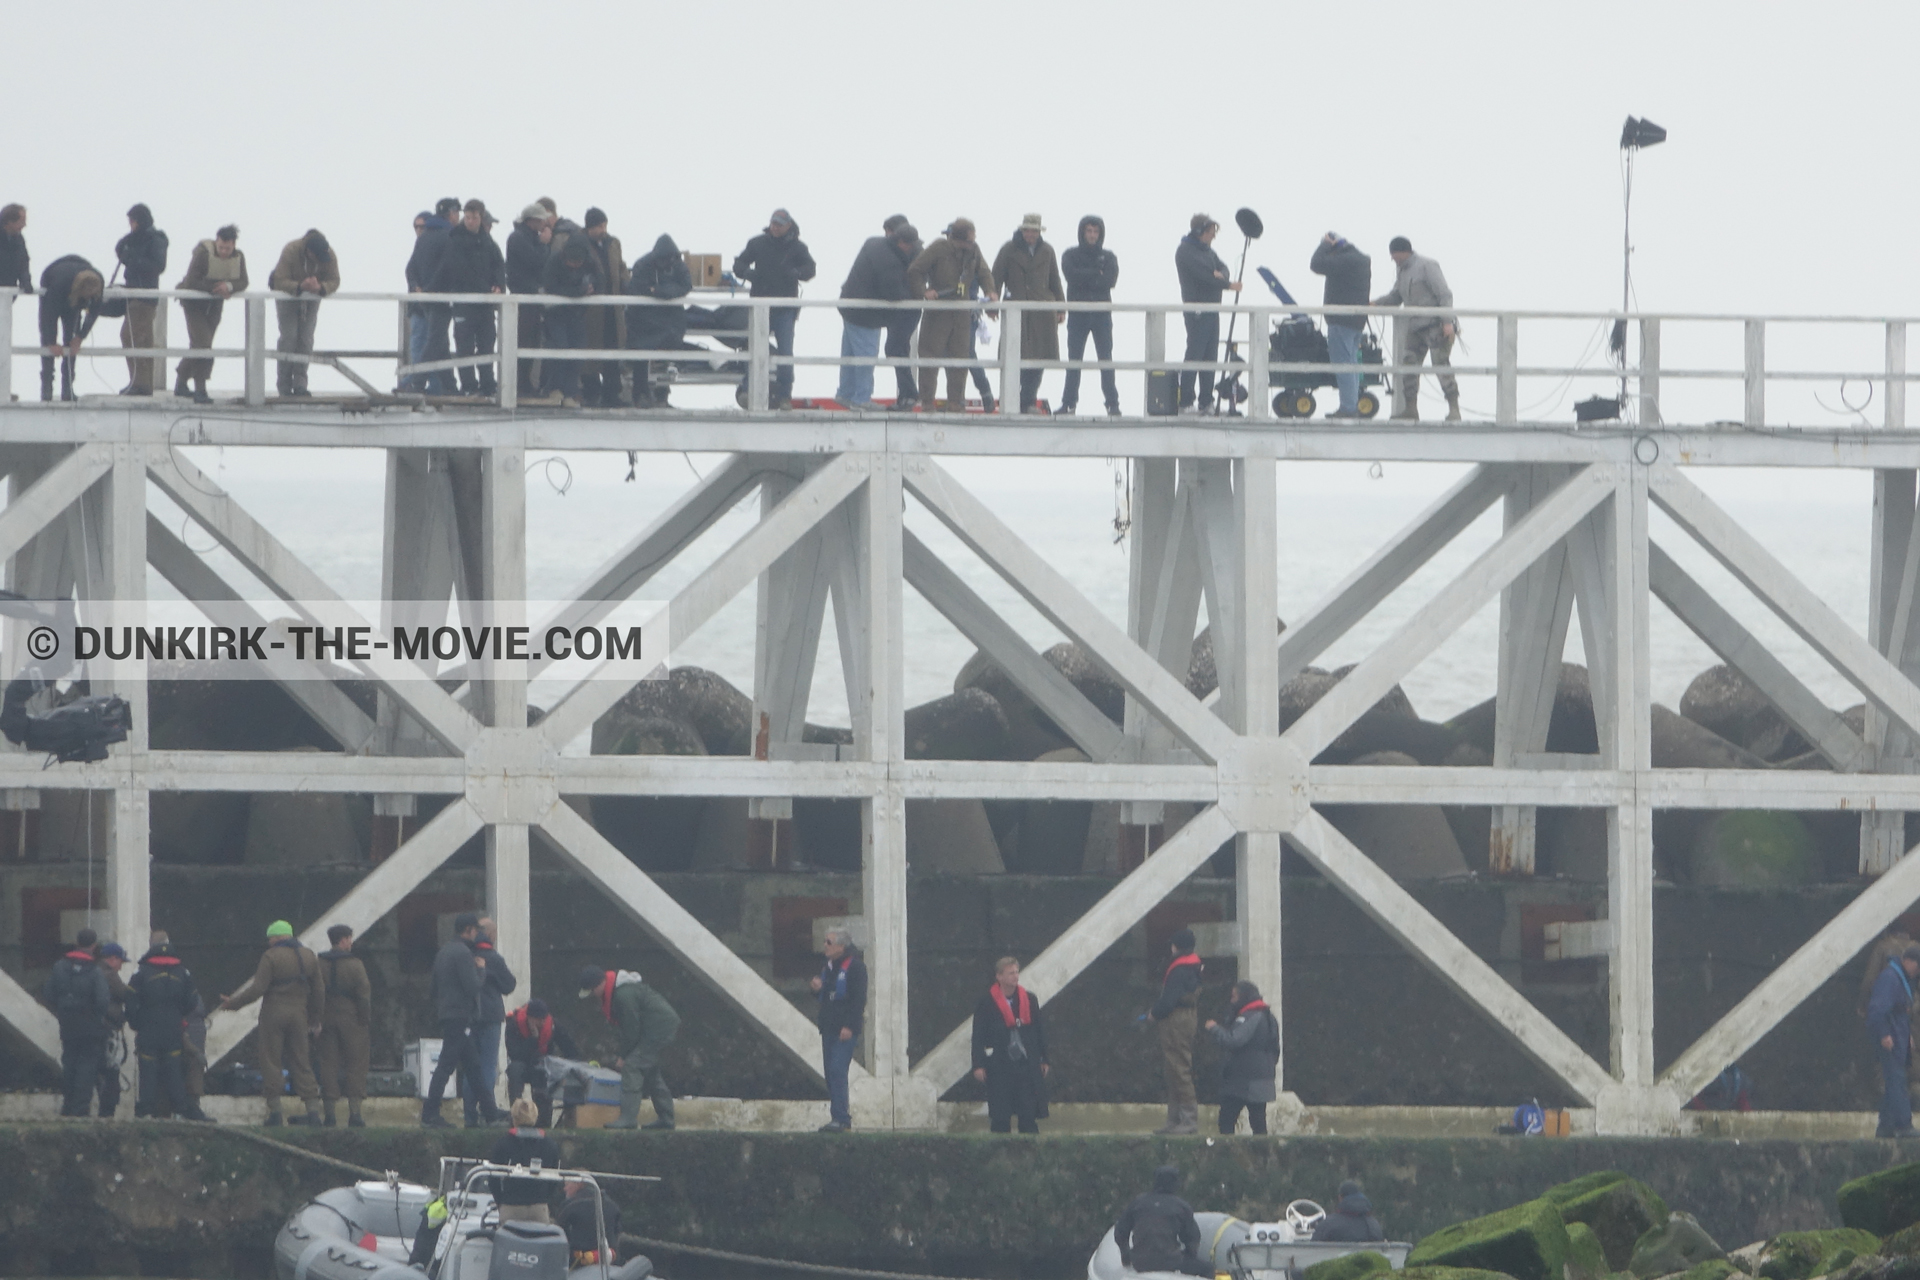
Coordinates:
645 1025
343 1049
292 994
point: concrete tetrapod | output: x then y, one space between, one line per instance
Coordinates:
1527 1242
1617 1208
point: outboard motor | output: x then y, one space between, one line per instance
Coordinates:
529 1251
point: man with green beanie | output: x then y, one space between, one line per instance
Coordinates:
293 996
644 1025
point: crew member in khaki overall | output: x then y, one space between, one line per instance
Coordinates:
343 1049
948 269
292 994
1176 1014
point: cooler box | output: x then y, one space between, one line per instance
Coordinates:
420 1058
576 1083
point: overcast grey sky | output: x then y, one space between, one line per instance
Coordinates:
1485 131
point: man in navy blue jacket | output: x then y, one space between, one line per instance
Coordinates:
841 987
1889 1020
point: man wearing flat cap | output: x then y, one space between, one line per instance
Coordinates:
293 998
1028 272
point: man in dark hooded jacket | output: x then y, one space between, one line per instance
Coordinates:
660 273
159 999
1091 270
900 327
879 274
1349 274
1351 1221
77 991
71 290
776 262
1251 1038
1203 278
570 273
143 256
526 265
1157 1231
470 262
427 326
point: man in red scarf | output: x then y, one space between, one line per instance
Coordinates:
1251 1038
1010 1051
1176 1015
531 1035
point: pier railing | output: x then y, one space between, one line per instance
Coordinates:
1735 349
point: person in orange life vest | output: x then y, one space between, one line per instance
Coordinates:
1176 1016
532 1034
1010 1051
1252 1041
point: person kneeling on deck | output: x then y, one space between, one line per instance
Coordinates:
583 1234
293 995
645 1024
531 1035
1157 1231
1010 1051
524 1199
1351 1221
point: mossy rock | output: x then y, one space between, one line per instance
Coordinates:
1528 1242
1904 1243
1586 1260
1882 1203
1712 1269
1449 1273
1800 1255
1348 1267
1680 1244
1620 1209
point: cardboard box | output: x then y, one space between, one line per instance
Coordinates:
1558 1124
705 269
591 1115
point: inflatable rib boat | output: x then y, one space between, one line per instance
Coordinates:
1249 1250
367 1231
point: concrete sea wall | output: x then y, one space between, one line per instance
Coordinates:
178 1200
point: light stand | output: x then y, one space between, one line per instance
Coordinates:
1634 135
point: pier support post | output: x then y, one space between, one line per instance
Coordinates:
1894 630
880 737
1634 1104
1534 613
503 522
121 578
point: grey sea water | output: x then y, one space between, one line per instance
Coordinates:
326 505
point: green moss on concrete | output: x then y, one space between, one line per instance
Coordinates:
1528 1241
1586 1260
1679 1244
1449 1273
1619 1208
1800 1255
1349 1267
1883 1202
